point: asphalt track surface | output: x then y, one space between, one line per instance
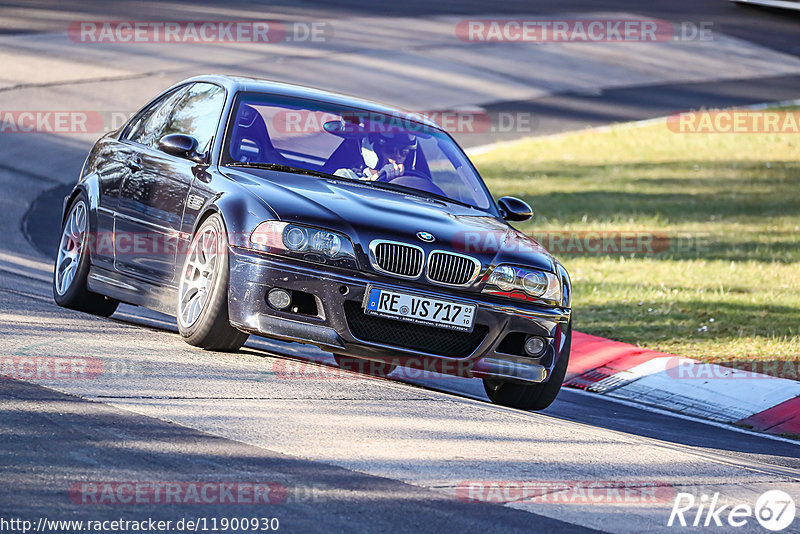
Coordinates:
355 454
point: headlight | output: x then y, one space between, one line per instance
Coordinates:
503 277
326 242
295 238
527 284
304 242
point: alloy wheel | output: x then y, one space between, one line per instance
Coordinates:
197 279
71 247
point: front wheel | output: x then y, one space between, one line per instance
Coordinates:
72 265
203 291
531 396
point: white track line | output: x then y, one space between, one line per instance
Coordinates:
482 149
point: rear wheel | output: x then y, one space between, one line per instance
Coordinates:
531 396
365 367
72 265
203 291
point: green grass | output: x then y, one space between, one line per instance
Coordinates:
728 286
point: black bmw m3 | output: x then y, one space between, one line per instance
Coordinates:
243 206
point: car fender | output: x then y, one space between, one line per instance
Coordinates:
241 212
90 186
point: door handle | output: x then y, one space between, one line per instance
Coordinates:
134 164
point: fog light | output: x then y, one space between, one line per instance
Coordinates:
534 346
279 298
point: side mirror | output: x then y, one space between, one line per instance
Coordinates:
182 146
514 209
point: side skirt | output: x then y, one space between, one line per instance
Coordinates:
132 291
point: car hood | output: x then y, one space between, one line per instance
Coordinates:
366 213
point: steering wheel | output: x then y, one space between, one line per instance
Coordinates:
406 172
415 180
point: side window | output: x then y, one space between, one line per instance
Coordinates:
146 128
197 114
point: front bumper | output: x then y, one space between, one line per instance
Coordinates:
338 298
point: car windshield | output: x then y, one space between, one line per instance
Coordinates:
289 133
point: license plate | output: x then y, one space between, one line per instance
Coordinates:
418 309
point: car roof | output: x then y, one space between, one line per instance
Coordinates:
236 84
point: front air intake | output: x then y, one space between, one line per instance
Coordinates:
452 269
398 259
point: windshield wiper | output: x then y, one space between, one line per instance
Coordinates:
282 168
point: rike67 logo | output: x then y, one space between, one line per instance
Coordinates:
774 510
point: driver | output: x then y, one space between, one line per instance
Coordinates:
386 159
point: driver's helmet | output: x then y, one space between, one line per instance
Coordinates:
387 144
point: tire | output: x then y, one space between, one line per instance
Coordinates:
72 264
365 367
531 396
203 291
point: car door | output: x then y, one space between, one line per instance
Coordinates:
153 195
111 161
